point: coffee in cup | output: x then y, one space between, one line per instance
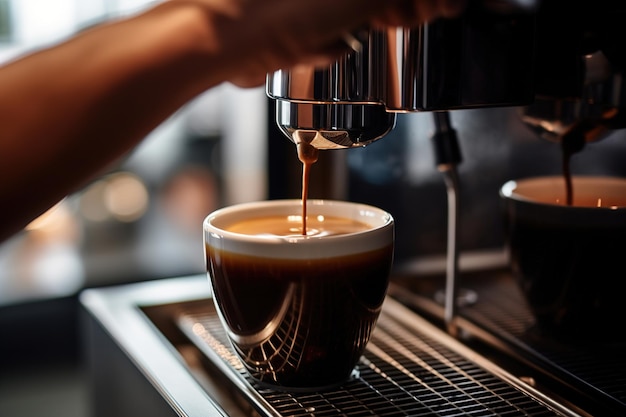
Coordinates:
299 309
569 259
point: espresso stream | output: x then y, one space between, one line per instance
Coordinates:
568 150
571 143
308 155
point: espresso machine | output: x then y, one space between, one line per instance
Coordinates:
560 65
454 339
563 62
484 59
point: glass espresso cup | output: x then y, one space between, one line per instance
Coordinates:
570 260
299 309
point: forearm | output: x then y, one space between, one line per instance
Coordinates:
68 112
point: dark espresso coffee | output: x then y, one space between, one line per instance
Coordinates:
301 299
292 225
299 323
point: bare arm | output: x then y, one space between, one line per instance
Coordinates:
69 111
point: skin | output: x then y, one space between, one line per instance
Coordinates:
70 111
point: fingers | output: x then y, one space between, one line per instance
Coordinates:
274 34
451 8
411 13
320 59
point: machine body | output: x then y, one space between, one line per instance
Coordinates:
561 62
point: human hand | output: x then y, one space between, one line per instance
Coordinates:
409 13
256 37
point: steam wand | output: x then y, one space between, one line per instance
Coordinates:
448 156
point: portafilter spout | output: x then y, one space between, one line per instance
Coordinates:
337 106
333 126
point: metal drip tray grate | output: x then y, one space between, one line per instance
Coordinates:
410 368
591 369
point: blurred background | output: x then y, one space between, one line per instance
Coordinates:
142 220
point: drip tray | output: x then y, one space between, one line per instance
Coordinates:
590 373
410 368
